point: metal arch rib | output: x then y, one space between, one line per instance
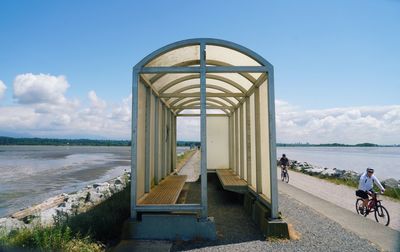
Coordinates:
180 110
248 76
194 99
196 76
207 86
208 41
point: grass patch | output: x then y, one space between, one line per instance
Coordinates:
93 230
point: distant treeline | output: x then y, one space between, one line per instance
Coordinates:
188 143
334 145
90 142
75 142
54 141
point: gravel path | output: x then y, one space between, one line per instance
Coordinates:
192 168
341 195
236 231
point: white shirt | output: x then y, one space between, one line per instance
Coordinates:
367 183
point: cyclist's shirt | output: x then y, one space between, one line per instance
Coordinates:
367 183
284 161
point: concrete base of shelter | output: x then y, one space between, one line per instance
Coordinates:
260 214
170 227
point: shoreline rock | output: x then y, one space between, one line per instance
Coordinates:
314 170
73 204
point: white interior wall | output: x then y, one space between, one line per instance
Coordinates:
217 142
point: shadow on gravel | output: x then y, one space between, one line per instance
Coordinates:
232 223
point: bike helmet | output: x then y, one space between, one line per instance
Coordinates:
283 155
370 170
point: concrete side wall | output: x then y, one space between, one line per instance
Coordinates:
217 142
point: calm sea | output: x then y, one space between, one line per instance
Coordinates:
31 174
385 160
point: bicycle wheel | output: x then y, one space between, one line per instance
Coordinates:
286 177
282 176
382 215
359 204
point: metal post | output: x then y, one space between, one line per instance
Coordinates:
135 84
163 162
237 143
167 143
241 143
272 144
248 141
147 142
203 129
230 142
258 140
156 136
174 143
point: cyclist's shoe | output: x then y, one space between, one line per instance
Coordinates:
367 212
361 210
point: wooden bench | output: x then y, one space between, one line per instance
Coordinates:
231 182
167 192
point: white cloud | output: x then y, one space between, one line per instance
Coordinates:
40 88
3 88
43 110
95 101
376 124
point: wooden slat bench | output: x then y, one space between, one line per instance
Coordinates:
167 192
231 182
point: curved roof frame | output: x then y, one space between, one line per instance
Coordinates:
197 62
196 76
193 66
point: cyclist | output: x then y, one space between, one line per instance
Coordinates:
284 162
365 187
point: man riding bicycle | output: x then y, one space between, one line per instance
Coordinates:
284 162
365 187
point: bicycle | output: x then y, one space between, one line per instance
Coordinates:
374 205
284 174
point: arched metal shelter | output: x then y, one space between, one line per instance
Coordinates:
231 88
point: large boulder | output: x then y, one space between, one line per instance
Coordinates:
391 183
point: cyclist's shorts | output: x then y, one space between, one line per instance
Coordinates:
362 194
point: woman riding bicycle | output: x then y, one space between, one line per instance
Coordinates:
366 185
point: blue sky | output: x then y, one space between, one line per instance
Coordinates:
329 58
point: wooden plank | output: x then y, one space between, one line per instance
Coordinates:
52 202
167 191
230 180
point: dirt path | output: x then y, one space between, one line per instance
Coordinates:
341 195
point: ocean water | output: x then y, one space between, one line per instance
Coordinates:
31 174
385 160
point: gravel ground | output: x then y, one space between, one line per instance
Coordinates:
236 231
